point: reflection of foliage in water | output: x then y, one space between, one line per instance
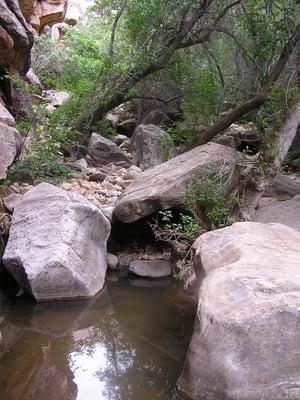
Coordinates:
132 373
133 369
128 345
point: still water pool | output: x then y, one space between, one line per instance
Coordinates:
128 343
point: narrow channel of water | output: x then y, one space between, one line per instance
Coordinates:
128 343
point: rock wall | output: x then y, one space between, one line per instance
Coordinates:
39 13
18 21
16 37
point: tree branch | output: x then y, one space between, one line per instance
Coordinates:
133 76
114 28
257 100
205 38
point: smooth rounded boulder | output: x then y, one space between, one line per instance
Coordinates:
246 341
57 245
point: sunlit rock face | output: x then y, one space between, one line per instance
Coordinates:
75 10
39 13
16 37
57 245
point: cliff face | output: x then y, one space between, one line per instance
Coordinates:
16 37
39 13
18 20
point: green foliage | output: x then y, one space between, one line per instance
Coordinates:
198 85
167 147
182 134
280 100
200 97
266 25
105 128
37 167
23 125
205 198
187 223
21 84
46 160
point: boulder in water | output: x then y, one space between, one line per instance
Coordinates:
246 338
57 245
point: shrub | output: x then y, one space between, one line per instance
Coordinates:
206 199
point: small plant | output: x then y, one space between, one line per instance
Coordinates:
105 129
38 168
182 134
179 231
167 147
205 198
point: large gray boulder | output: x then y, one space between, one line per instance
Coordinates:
282 212
152 146
246 343
10 145
162 187
283 188
102 151
57 244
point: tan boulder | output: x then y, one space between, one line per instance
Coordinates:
162 186
57 244
246 338
10 141
282 212
52 11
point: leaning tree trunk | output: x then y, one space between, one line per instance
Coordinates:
273 159
256 101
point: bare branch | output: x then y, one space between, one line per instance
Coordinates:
114 27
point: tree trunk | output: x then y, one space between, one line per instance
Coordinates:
256 101
132 77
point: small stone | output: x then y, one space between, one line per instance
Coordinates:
11 201
107 185
135 168
112 261
97 177
151 268
130 175
111 193
81 164
125 184
125 260
119 139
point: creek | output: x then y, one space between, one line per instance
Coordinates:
127 343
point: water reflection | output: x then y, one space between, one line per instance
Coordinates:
126 344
